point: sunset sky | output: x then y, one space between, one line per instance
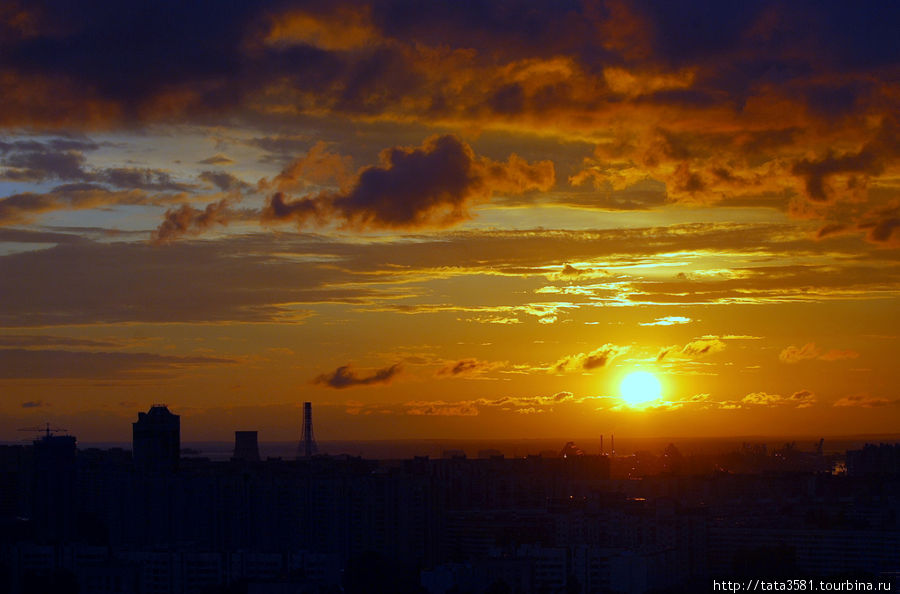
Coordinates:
437 219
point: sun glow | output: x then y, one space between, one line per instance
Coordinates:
640 388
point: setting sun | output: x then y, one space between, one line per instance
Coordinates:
639 388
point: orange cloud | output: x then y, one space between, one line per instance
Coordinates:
441 409
793 354
429 186
187 219
345 28
864 401
694 349
595 359
801 399
318 166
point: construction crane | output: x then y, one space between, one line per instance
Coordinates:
48 430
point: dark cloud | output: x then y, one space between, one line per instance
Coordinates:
21 208
772 81
129 55
802 398
429 186
223 181
32 161
35 166
508 100
110 62
463 366
855 169
141 179
33 404
881 224
595 359
433 185
569 270
302 210
816 172
58 364
831 229
187 219
467 367
345 377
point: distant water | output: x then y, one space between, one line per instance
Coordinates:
436 448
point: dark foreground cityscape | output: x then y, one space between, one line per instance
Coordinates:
151 521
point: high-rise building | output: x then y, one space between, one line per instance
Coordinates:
246 446
307 447
156 442
53 488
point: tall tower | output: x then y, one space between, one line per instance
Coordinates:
307 447
246 446
156 441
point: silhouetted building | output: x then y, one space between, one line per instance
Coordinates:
246 446
15 480
156 440
53 509
883 459
308 445
555 523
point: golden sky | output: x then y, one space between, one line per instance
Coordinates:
450 219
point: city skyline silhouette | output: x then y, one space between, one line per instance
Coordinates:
586 295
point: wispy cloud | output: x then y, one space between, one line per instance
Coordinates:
468 368
692 350
800 399
16 364
865 401
668 321
345 377
595 359
794 354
